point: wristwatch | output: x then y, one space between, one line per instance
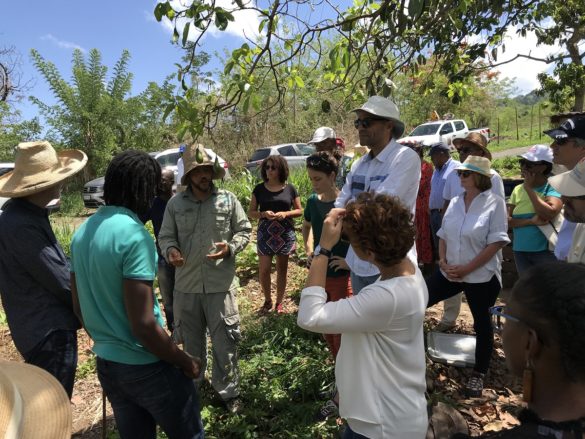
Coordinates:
323 252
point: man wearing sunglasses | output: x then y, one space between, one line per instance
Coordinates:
568 148
474 144
389 168
571 186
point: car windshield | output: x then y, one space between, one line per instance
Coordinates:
426 130
306 149
260 154
168 159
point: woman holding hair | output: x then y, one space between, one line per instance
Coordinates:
274 203
380 367
473 231
533 203
322 169
542 326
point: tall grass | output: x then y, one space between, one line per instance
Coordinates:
64 233
71 204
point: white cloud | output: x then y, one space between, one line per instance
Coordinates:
245 24
524 70
62 43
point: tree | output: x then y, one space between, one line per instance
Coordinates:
373 42
98 115
562 23
12 133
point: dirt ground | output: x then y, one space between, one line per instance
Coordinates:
493 411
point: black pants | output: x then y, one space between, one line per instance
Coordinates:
480 297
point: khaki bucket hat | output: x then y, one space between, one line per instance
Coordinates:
194 156
476 139
33 404
37 167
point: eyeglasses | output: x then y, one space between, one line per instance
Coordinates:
367 122
270 168
464 174
528 164
499 317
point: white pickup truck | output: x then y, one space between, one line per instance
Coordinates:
441 131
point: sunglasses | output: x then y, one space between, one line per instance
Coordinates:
467 150
367 122
464 174
562 141
270 168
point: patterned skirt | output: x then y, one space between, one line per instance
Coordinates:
276 237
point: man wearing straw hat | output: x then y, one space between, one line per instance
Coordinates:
202 231
34 271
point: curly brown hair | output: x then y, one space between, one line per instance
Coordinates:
380 224
279 162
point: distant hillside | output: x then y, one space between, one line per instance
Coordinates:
529 99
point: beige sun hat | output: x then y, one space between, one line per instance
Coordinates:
37 167
386 109
33 404
570 183
476 139
194 156
473 163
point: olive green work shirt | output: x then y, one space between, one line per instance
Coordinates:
192 226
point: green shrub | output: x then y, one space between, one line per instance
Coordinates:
71 204
64 233
507 166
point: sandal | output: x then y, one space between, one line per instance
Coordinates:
279 309
266 307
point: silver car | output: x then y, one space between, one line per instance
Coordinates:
295 155
93 191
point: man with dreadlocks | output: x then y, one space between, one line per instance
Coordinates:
144 374
202 231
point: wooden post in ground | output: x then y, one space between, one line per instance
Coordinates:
517 131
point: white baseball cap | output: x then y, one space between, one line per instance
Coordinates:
323 133
571 183
385 108
538 153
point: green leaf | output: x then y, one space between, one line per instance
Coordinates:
246 104
160 11
168 110
325 106
228 67
261 25
495 53
182 131
186 32
170 13
415 7
299 81
184 85
175 35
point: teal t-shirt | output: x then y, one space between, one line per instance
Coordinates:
529 238
110 246
315 212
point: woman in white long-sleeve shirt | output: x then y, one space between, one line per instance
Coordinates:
474 229
380 367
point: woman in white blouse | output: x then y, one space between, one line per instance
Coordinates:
474 229
380 367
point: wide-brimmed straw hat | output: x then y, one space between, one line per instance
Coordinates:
37 167
33 404
476 139
386 109
194 156
473 163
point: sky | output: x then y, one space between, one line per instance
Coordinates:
56 27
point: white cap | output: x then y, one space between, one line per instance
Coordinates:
538 153
323 133
385 108
572 183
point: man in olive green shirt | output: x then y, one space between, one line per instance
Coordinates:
202 231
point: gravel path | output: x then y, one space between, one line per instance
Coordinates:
509 152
